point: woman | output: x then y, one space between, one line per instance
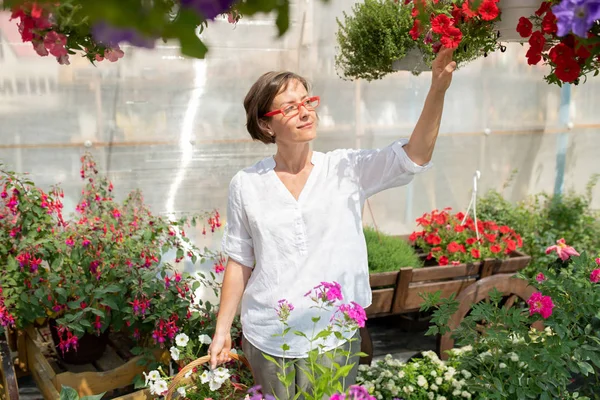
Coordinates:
294 220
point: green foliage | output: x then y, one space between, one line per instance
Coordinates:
389 253
543 218
372 38
508 359
161 19
68 393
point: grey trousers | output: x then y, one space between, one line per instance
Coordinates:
265 371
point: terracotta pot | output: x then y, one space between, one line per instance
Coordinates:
90 347
511 11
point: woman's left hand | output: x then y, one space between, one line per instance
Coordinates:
442 69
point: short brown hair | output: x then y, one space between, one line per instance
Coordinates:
261 96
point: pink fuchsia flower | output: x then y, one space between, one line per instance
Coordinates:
284 308
595 275
113 54
55 43
563 250
540 304
540 278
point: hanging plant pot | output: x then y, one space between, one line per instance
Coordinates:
413 61
90 347
510 12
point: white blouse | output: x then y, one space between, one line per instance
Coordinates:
292 245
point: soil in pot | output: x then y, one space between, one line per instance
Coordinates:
90 347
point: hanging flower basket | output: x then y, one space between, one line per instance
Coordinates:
510 12
413 61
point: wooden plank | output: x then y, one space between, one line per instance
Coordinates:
21 360
414 300
74 368
405 277
513 264
383 279
109 360
445 272
382 301
39 370
88 383
9 379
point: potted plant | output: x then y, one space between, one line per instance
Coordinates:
386 35
388 253
98 272
564 35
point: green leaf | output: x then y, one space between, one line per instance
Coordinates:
274 361
112 289
585 368
68 393
342 372
85 323
283 17
110 302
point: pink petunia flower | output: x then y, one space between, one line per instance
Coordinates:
540 277
595 275
563 250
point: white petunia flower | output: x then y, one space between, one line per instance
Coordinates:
181 391
188 374
175 353
502 365
160 387
215 385
513 356
205 339
466 373
182 340
205 377
152 376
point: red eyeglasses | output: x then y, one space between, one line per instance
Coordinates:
292 110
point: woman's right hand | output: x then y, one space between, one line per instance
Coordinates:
219 349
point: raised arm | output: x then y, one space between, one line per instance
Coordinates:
422 141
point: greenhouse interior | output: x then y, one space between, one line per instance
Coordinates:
300 199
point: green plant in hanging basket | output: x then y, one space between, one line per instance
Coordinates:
381 32
372 38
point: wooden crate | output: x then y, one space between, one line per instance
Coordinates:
399 291
113 373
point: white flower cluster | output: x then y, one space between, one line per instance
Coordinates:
215 378
157 385
425 378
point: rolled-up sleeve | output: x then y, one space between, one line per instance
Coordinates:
237 241
381 169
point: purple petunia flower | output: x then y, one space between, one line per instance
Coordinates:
576 16
209 9
112 36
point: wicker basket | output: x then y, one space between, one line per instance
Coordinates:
180 377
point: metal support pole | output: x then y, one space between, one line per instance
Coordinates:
562 141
